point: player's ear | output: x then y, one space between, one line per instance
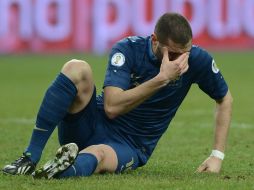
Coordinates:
154 39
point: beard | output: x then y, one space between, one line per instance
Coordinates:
159 55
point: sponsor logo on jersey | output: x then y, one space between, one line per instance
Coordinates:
118 59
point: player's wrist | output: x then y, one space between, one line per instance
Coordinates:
160 80
217 154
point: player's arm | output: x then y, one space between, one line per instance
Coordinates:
210 80
222 121
118 101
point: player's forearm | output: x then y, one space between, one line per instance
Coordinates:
120 102
222 119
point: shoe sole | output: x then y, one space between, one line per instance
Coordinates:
65 156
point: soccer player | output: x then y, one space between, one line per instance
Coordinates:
146 81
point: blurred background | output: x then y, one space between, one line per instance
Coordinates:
94 25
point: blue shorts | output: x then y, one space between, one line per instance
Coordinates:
89 127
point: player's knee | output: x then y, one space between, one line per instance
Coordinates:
96 150
77 70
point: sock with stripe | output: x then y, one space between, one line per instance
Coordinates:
84 165
56 102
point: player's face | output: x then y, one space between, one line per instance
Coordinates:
174 50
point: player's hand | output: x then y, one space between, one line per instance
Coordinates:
171 70
211 165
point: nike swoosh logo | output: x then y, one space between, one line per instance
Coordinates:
39 129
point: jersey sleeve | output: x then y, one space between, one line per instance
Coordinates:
119 69
208 76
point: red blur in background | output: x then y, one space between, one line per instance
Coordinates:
94 25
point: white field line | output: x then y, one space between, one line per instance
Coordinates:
207 125
31 121
17 121
242 125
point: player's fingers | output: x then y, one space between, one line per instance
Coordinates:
212 170
202 168
184 66
208 170
182 58
185 60
165 53
185 69
186 57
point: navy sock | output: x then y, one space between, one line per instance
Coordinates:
54 107
84 165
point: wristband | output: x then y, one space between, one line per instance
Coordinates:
218 154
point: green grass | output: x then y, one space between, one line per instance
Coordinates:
188 141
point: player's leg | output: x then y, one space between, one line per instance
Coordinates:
80 73
95 158
70 92
115 157
80 127
103 158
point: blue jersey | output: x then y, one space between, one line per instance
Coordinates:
131 63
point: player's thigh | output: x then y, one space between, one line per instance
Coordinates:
80 127
126 156
80 73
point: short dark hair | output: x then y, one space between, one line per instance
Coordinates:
175 27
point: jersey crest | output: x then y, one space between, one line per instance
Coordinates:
118 59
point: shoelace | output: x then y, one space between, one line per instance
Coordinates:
16 162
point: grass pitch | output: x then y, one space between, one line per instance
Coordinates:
188 141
